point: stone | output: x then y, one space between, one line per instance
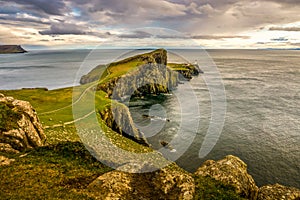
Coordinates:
167 183
5 161
20 128
278 192
231 171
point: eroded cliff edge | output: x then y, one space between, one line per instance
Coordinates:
139 75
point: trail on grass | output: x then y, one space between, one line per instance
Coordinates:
70 122
72 104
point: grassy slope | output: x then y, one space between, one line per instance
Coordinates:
63 168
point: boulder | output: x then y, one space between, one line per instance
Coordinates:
278 192
20 128
231 171
167 183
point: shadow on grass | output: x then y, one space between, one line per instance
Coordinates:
56 171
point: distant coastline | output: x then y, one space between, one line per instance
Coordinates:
5 49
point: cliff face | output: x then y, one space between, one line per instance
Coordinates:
11 49
20 128
118 118
153 77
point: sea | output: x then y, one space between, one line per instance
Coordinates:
246 103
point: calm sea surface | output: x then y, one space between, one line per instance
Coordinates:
262 87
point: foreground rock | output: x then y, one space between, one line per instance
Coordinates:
231 171
20 128
278 192
5 161
167 183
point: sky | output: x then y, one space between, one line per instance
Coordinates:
226 24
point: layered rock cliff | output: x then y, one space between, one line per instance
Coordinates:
11 49
20 128
118 118
151 77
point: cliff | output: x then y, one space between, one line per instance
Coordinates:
135 76
118 118
11 49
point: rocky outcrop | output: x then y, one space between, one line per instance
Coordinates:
278 192
118 118
153 77
231 171
20 128
11 49
5 161
167 183
187 71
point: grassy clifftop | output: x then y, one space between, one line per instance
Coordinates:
63 169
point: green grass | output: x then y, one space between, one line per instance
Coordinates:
209 188
179 66
8 113
60 171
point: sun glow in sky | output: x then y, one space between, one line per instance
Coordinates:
109 23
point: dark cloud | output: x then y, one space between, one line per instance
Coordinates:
63 29
217 37
136 34
284 29
22 18
52 7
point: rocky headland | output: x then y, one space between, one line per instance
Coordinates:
147 74
11 49
21 130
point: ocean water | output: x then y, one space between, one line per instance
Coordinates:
262 119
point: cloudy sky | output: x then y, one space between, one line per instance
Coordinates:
109 23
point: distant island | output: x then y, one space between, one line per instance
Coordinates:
11 49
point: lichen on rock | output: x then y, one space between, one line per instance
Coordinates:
232 171
167 183
278 192
20 128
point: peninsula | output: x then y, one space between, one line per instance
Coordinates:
42 156
4 49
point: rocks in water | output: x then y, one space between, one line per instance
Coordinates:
278 192
20 128
168 183
231 171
